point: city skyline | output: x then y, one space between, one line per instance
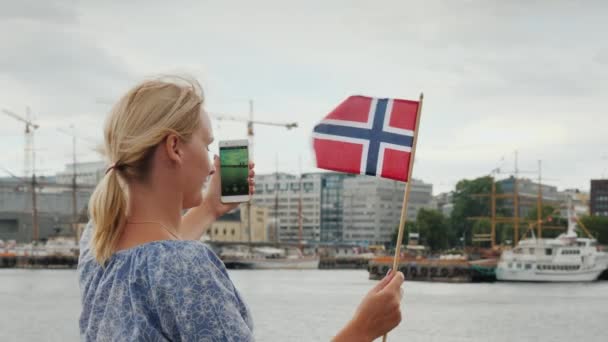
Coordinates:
335 206
90 172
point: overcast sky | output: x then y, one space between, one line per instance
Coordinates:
498 76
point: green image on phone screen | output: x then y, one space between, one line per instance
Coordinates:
234 162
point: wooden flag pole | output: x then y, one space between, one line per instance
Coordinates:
406 195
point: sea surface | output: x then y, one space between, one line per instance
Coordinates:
43 305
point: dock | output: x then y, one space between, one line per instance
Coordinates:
38 261
343 263
436 270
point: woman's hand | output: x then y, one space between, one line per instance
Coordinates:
212 198
197 219
378 313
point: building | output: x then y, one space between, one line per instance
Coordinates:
321 204
575 197
54 214
54 203
332 206
233 226
445 203
528 195
89 173
372 207
598 201
280 193
421 197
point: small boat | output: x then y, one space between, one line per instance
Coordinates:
268 258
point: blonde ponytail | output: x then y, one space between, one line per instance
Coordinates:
137 124
108 208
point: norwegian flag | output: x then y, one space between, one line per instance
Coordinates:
366 135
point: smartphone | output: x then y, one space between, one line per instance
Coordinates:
234 166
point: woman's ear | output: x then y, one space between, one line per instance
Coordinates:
173 148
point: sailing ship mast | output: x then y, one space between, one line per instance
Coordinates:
300 209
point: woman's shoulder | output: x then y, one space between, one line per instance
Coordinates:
158 260
156 253
172 254
177 269
178 261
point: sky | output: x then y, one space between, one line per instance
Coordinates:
497 76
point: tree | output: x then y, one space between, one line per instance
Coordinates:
466 205
409 228
550 218
433 228
546 211
598 226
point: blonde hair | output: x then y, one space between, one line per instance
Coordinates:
140 120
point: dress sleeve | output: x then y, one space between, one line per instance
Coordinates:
84 245
194 298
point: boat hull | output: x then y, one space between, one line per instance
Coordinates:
503 274
274 264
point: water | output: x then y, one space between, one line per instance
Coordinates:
43 305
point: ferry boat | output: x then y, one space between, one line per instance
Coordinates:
566 258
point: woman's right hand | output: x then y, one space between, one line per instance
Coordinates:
378 313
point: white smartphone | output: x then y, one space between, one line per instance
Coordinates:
234 166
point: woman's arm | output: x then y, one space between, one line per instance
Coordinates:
351 333
378 313
197 219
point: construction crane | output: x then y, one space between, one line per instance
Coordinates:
29 139
250 122
29 162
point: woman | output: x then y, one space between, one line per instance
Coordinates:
143 273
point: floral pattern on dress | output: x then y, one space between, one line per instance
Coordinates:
160 291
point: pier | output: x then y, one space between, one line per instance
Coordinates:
436 270
343 263
38 261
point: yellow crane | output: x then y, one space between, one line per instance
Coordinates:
250 122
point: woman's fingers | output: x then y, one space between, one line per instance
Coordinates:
389 276
394 285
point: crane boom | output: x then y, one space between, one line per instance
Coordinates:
241 119
17 117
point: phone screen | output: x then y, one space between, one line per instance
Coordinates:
234 162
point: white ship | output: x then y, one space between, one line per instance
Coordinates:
566 258
268 258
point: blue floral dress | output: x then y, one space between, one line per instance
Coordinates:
160 291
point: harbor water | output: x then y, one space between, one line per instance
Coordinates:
43 305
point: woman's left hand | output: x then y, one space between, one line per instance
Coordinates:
212 198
